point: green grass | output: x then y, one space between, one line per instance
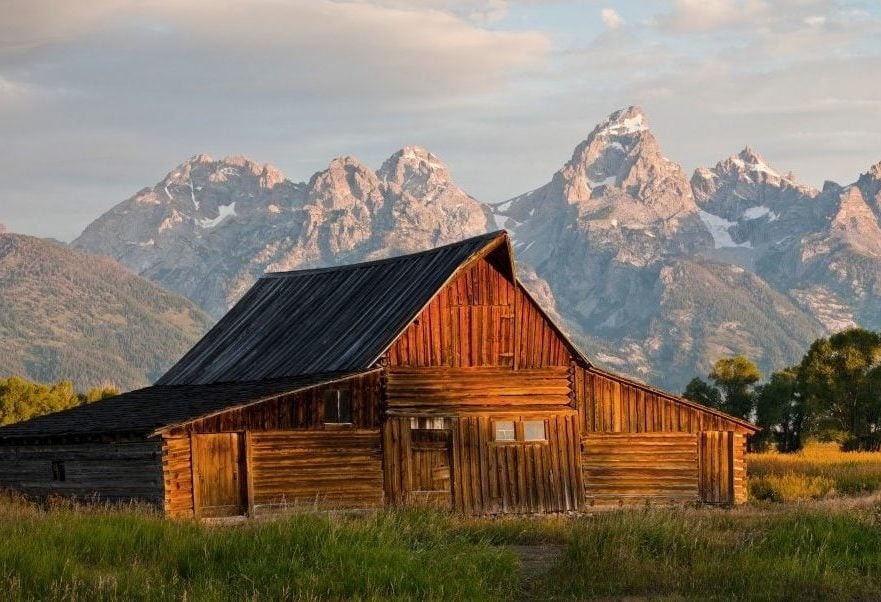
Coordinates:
826 548
793 554
104 554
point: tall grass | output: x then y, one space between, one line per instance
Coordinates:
819 470
79 553
793 554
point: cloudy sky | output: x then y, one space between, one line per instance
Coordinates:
99 98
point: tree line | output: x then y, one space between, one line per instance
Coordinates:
23 399
833 393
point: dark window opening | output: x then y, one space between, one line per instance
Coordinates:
337 406
58 473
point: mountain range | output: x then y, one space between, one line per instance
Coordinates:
654 273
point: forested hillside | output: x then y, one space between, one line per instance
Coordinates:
68 315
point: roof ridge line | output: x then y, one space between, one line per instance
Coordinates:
365 264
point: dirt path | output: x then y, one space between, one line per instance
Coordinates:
535 561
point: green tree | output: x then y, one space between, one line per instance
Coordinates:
21 399
99 393
841 379
702 392
735 376
780 411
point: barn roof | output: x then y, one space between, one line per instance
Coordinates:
333 319
145 410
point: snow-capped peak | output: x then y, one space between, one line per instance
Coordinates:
750 161
420 155
623 122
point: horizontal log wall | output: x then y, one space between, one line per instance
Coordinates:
104 471
609 404
177 469
490 477
632 468
341 469
448 389
304 410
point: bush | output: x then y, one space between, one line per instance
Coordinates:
868 443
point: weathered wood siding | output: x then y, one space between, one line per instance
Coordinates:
104 471
303 410
177 470
635 440
627 468
537 343
447 390
480 319
611 404
494 477
337 469
722 467
332 468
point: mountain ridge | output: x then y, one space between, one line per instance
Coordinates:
625 246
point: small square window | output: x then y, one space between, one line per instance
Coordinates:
337 406
58 473
534 430
504 430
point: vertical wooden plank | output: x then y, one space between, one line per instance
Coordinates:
194 463
249 472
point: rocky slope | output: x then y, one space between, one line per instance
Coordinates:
67 315
210 228
653 273
619 237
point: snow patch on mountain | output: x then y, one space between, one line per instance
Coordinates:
223 212
761 211
719 229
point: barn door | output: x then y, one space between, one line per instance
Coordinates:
430 453
218 474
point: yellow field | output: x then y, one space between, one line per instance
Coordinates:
820 470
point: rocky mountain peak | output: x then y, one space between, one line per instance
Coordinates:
855 224
871 180
346 181
622 122
742 198
416 171
622 153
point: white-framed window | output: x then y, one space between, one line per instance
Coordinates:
534 430
504 430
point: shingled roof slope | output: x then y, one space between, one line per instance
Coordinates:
145 410
335 319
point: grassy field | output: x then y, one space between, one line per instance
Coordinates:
818 471
826 548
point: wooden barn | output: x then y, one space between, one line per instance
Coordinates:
432 378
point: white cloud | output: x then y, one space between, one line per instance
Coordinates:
709 15
611 18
